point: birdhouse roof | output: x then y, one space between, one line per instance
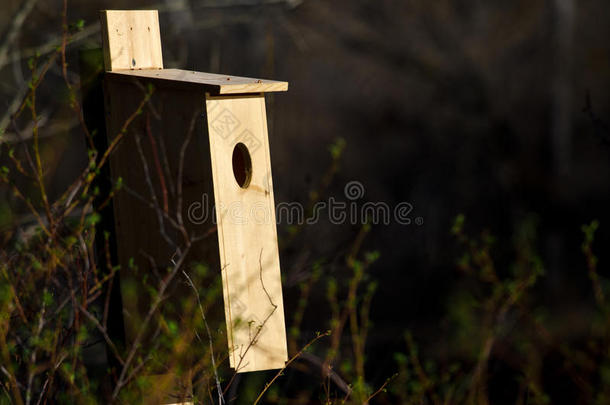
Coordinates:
211 82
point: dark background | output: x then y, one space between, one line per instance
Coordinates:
473 107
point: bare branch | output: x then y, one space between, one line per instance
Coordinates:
151 311
210 340
104 333
293 358
17 22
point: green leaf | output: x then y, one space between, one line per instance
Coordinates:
173 327
93 219
458 224
372 256
336 148
47 298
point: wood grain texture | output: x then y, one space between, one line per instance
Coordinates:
143 253
247 235
131 39
173 113
211 82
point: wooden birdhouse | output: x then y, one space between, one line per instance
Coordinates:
182 139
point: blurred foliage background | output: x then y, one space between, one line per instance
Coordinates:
494 110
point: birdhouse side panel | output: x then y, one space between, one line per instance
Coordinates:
161 162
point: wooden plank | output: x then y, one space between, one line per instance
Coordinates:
142 249
138 229
211 82
131 39
247 234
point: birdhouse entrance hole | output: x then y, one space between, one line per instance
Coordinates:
242 165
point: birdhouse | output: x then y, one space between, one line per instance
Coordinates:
185 142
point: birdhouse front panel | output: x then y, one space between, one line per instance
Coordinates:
247 238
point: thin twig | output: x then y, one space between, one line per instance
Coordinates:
151 311
210 340
259 329
17 22
187 140
293 358
153 146
103 331
381 389
153 195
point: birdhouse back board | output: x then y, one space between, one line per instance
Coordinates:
131 39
